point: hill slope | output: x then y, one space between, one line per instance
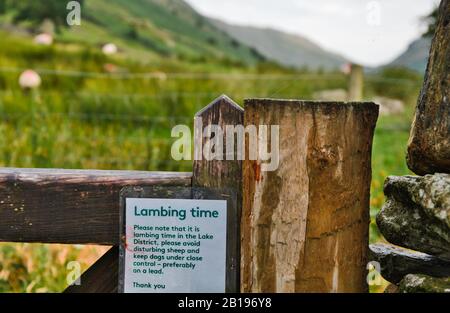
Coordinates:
152 28
287 49
415 57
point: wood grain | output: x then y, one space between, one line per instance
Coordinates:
225 175
69 206
305 225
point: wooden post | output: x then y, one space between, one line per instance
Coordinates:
222 174
305 225
356 83
429 141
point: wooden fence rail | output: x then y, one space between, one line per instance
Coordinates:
69 206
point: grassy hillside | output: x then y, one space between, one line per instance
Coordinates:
287 49
82 117
154 29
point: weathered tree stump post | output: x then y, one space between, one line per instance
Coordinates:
305 225
429 141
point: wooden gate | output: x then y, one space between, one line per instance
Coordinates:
301 227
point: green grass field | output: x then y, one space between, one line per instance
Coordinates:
121 121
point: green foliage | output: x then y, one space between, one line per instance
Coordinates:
144 29
37 11
396 82
430 20
169 29
40 268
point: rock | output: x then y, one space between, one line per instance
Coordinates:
389 106
433 195
109 49
423 283
331 95
429 142
396 262
43 39
47 26
29 79
416 214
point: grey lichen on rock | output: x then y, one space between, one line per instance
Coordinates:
396 262
416 213
423 283
432 193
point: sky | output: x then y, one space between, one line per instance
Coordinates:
370 32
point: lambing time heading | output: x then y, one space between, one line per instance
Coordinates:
177 213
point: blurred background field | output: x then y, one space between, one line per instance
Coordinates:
99 111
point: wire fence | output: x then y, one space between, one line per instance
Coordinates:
200 75
150 123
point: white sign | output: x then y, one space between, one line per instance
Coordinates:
175 245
